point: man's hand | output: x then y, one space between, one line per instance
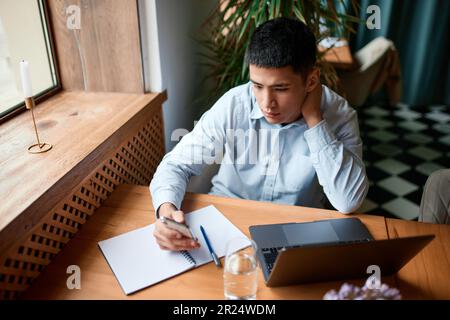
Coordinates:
167 238
311 106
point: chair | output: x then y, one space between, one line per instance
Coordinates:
378 65
435 203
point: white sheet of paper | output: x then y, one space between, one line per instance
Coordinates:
218 229
137 261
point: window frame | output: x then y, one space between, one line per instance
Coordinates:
43 95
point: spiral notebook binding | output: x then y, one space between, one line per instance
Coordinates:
188 256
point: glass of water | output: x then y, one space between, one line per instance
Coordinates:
240 275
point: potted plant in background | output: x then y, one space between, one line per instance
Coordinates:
232 23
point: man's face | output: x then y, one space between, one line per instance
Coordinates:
279 92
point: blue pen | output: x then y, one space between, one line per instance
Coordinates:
211 251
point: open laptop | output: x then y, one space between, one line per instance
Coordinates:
327 250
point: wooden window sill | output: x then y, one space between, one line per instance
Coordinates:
83 129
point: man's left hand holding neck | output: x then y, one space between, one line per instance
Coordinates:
311 107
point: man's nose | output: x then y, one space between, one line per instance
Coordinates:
269 100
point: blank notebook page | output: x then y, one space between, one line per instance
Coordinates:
218 229
138 262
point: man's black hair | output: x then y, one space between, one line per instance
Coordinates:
282 42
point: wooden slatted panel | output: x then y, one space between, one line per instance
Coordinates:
134 162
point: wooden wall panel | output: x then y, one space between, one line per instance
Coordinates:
134 162
108 43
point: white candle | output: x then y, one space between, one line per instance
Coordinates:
26 80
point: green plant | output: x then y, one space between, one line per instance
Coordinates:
232 23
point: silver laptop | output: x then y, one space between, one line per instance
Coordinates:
292 253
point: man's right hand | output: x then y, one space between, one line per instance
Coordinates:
169 239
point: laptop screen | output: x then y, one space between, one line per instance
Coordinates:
304 234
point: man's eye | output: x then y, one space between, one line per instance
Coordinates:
257 87
281 89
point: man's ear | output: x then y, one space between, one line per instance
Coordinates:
313 79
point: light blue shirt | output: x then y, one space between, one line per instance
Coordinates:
290 164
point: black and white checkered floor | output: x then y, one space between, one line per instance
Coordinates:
403 145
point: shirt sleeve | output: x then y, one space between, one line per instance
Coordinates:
337 159
202 146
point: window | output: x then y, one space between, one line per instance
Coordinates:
24 34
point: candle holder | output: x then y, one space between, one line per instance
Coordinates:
37 147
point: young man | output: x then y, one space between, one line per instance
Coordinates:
314 148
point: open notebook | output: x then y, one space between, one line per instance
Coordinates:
137 261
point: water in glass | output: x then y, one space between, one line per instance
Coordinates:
240 272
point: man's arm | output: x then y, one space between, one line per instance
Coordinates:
188 158
195 150
337 160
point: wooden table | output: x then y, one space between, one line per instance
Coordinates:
339 57
427 276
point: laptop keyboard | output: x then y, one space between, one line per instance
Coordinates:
270 254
